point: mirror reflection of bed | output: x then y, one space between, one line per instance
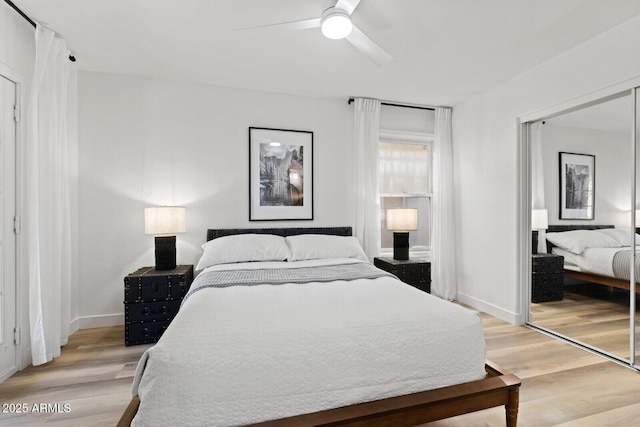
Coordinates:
595 301
592 305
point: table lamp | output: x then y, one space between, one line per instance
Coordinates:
164 222
539 221
401 221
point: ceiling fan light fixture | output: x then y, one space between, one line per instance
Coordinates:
336 24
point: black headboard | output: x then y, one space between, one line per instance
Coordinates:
563 227
214 233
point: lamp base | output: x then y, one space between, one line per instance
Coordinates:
534 241
165 252
401 245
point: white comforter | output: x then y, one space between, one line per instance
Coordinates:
591 260
244 354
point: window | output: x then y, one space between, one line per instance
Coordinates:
405 180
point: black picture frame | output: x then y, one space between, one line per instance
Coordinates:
577 186
280 174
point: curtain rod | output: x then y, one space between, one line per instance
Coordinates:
394 104
30 21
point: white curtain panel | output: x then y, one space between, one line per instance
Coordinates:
537 167
47 224
443 254
366 129
537 177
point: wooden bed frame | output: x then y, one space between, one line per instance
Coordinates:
598 279
498 388
585 276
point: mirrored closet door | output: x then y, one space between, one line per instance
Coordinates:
635 334
584 197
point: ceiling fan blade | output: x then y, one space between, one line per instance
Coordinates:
347 5
292 25
367 46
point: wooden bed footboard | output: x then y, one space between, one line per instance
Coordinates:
498 388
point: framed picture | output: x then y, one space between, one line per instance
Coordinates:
577 186
280 174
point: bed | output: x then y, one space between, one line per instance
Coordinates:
593 253
323 338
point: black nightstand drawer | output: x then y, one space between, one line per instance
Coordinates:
144 333
547 295
147 288
547 280
413 272
147 311
147 284
547 264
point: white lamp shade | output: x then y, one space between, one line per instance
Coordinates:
336 24
539 219
402 219
164 220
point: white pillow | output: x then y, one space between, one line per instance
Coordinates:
621 235
243 248
318 246
569 258
576 241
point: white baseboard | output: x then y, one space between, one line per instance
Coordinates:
89 322
494 310
7 374
74 325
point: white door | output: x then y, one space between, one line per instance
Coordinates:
7 234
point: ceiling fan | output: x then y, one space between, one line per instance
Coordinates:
336 24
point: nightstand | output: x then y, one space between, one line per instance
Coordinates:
547 277
413 272
151 300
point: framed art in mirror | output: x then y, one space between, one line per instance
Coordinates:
577 185
280 174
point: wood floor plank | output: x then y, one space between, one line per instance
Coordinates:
624 416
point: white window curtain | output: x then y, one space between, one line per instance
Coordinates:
537 178
443 256
366 136
47 225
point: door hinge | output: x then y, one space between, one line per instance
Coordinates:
16 225
16 336
16 113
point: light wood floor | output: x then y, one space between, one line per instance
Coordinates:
592 314
93 375
561 384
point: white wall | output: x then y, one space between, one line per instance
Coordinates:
17 42
148 142
613 174
485 135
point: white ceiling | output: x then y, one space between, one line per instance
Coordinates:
444 50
